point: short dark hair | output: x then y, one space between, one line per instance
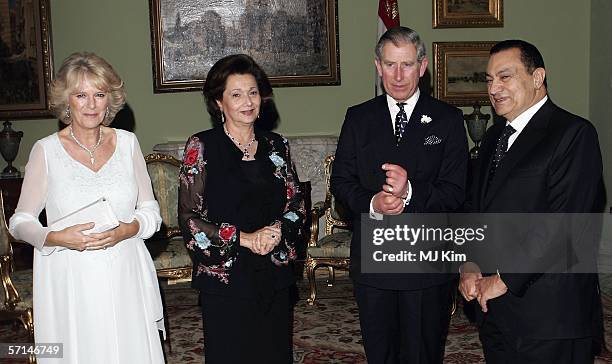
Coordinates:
397 36
530 55
235 64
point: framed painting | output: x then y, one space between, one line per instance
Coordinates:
26 59
468 13
460 72
294 41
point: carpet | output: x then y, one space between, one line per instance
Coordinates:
327 332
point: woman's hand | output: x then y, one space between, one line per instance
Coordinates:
112 237
262 241
267 238
71 237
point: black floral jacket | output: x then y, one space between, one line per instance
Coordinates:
215 243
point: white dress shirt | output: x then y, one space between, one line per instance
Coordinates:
520 122
393 110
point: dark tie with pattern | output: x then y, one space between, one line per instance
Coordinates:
401 119
500 150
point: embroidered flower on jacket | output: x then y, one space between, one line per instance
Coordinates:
291 216
277 160
290 191
193 161
227 233
191 156
202 241
213 271
425 119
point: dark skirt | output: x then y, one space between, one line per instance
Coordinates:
239 330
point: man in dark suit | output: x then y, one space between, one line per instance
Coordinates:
401 152
541 160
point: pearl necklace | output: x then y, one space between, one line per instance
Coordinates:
90 151
245 148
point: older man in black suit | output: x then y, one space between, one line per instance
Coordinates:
541 160
403 152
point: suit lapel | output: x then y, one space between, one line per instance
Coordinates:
533 133
382 128
487 148
383 122
415 128
413 137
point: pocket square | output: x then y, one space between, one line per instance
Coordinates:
432 140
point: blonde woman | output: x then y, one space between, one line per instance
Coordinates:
95 293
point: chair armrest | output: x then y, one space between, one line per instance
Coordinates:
11 297
166 232
172 232
318 211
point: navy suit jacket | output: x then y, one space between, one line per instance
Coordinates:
437 171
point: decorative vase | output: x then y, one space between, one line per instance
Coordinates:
477 126
9 147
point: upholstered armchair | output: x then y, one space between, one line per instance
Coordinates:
170 256
16 285
332 250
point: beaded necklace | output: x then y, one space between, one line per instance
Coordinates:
245 147
90 151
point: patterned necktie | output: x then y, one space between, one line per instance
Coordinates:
401 119
500 150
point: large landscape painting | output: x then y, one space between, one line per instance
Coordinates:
295 41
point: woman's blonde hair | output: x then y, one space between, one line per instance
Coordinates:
71 73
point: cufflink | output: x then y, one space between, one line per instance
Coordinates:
406 199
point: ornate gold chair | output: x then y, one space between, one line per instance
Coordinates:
333 249
16 285
170 256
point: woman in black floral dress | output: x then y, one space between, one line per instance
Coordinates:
241 212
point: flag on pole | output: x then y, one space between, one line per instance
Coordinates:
388 17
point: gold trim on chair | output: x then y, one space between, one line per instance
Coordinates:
11 298
166 193
171 231
174 274
312 264
319 210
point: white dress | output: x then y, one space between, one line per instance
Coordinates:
103 305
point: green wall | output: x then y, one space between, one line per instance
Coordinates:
600 108
119 31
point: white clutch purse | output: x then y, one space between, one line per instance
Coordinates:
98 212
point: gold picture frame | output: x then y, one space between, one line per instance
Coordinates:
296 41
468 13
460 72
26 59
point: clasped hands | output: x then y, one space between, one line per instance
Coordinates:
262 241
73 237
390 200
473 285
